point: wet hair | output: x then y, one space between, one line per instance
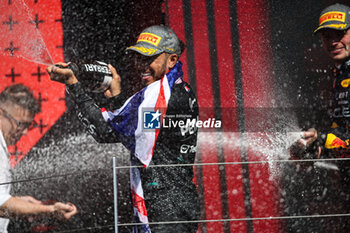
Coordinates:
22 96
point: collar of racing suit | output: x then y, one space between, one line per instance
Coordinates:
344 66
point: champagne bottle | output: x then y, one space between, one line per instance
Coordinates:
94 76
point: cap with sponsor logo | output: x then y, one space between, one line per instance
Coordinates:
336 17
155 40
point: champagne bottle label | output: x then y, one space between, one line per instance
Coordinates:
94 76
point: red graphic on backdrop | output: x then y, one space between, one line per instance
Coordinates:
31 38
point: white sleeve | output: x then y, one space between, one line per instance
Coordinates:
5 185
4 188
3 198
5 173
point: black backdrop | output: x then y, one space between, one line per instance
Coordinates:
68 165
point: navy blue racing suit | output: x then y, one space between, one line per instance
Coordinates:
325 191
334 140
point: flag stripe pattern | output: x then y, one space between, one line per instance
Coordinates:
128 123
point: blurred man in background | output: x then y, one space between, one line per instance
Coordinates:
18 108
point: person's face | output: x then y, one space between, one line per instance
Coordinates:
14 122
154 68
336 43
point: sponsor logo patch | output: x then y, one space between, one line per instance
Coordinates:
184 149
332 16
333 142
149 38
345 82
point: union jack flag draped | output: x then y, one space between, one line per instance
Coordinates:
128 122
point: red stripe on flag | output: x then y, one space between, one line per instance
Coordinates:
139 203
160 106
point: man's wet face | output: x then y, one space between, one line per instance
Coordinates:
336 44
14 122
151 68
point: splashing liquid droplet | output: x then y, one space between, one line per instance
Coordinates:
20 36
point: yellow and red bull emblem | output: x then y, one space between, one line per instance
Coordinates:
345 82
333 142
332 16
149 38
